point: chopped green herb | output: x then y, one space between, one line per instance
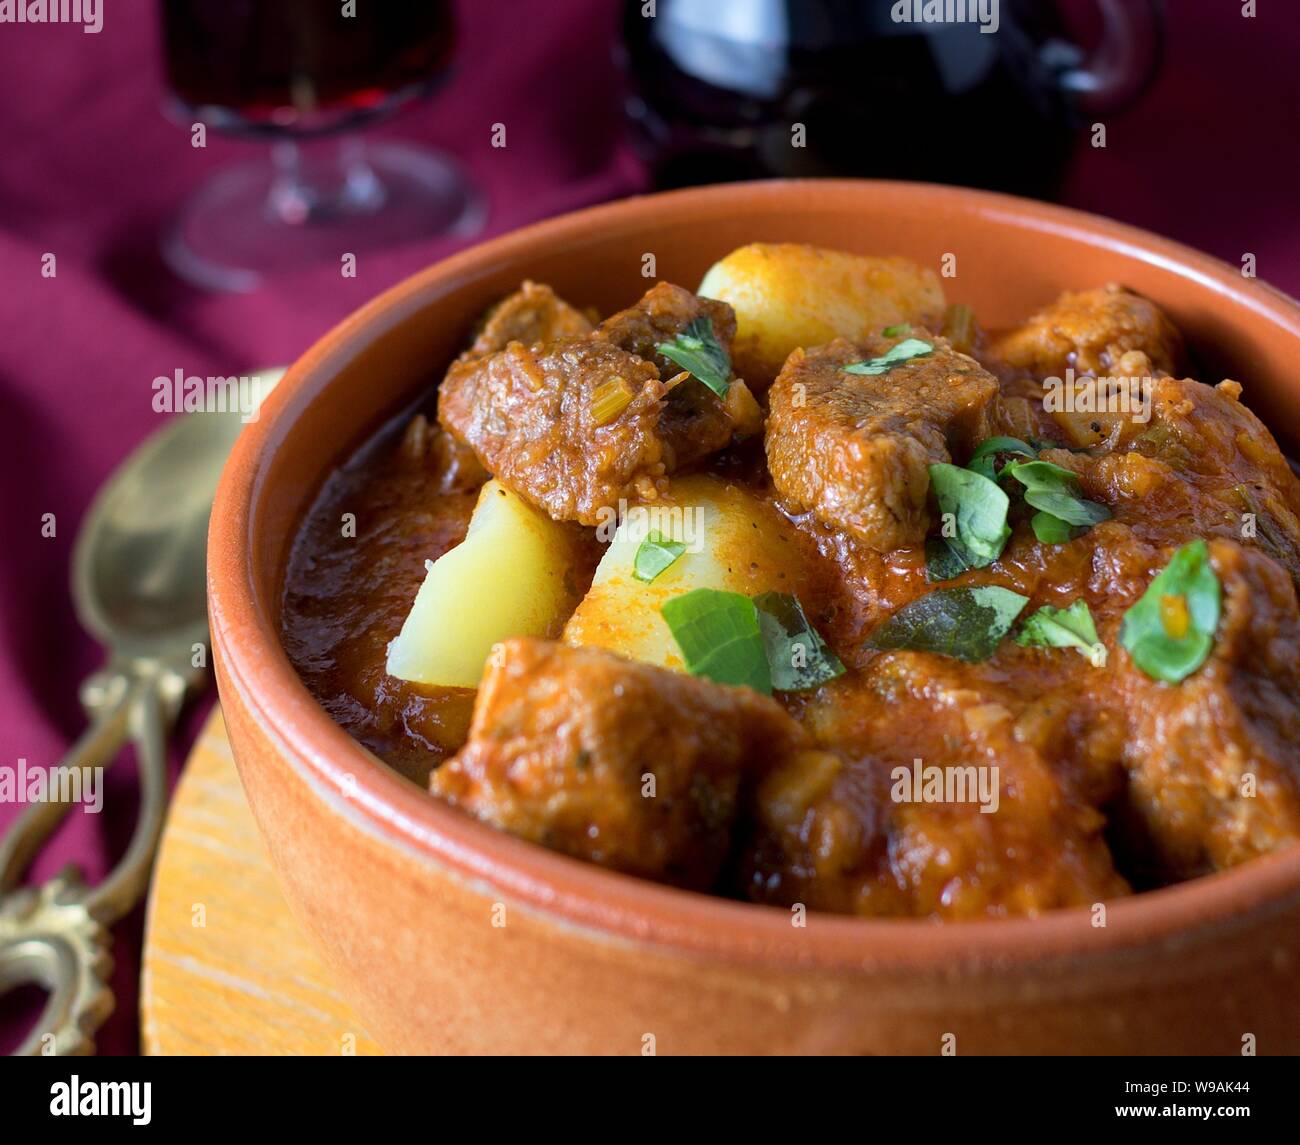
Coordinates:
895 331
1051 530
796 654
1056 491
719 637
654 555
983 460
980 530
942 561
1070 627
978 509
1169 632
965 623
698 350
905 351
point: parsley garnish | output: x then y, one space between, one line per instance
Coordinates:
1056 491
1169 632
984 460
965 623
697 350
719 637
1071 627
905 351
977 508
654 555
765 642
796 654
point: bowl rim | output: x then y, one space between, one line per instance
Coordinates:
569 892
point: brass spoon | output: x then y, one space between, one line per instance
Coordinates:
139 586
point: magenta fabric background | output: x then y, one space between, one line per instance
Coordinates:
89 170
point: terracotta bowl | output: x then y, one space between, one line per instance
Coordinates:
447 936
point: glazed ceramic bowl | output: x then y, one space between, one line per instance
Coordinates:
447 936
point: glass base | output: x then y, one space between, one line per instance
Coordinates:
315 203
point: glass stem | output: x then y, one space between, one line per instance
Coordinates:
315 186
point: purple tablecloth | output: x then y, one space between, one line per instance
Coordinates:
90 170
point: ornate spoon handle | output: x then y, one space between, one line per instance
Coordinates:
55 935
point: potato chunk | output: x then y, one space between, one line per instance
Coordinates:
789 296
511 576
736 542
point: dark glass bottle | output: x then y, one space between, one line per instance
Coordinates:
739 89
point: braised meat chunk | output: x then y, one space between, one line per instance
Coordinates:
1200 458
577 424
1231 460
1106 331
1213 763
452 463
990 828
537 418
534 313
696 422
659 315
635 767
855 449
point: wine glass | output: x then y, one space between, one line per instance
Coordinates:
304 75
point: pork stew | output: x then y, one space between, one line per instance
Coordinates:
915 620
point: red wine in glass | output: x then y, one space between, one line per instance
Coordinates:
292 72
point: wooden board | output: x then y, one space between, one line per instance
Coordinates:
226 969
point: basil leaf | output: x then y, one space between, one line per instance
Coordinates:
1071 627
796 654
979 509
1042 473
697 350
942 561
983 460
965 623
1056 491
905 351
719 637
895 331
1169 632
1051 530
654 555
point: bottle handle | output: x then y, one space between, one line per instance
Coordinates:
1123 64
